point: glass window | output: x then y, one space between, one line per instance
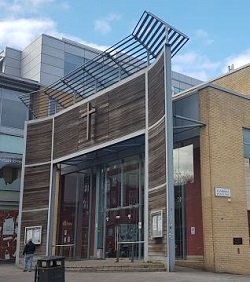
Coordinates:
14 113
52 107
72 62
10 178
131 183
183 165
246 142
114 186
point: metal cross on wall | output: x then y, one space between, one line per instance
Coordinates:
88 114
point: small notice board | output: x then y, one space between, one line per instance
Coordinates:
34 233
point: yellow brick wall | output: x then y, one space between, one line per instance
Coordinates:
237 80
222 165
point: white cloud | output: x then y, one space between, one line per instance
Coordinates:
17 8
196 65
201 67
104 25
65 5
204 36
237 60
79 40
113 17
19 33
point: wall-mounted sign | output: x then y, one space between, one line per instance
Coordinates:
34 233
222 192
192 230
237 241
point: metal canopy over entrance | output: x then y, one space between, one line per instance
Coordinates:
130 55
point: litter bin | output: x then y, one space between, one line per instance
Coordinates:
50 269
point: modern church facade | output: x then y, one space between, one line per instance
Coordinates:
123 168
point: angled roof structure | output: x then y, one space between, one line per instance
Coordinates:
130 55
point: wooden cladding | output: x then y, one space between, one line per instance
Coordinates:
127 108
39 141
156 92
157 156
157 201
66 132
98 123
118 112
36 187
34 218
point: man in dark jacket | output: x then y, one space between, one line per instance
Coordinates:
28 251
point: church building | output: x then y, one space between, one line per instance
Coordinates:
114 165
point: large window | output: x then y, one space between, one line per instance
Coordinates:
188 208
183 165
72 62
13 111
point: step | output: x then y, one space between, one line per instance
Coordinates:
112 266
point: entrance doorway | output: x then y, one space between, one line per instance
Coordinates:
121 201
75 228
101 211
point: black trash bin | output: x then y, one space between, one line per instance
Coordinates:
50 269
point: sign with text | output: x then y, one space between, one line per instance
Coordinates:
222 192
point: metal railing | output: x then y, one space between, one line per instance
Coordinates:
132 255
61 246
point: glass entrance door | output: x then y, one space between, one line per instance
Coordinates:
76 220
122 209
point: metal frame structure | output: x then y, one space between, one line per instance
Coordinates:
130 55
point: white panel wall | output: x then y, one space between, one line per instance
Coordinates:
12 62
31 60
52 66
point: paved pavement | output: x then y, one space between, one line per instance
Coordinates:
11 273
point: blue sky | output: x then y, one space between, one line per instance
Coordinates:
218 29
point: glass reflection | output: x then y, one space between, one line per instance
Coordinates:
183 165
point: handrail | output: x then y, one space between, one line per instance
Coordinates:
65 245
132 243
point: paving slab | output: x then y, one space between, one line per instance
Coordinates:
11 273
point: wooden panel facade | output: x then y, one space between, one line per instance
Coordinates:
127 108
36 187
157 156
157 247
39 141
36 202
118 112
157 201
98 124
115 113
35 218
66 132
156 93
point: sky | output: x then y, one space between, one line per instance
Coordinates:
218 30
